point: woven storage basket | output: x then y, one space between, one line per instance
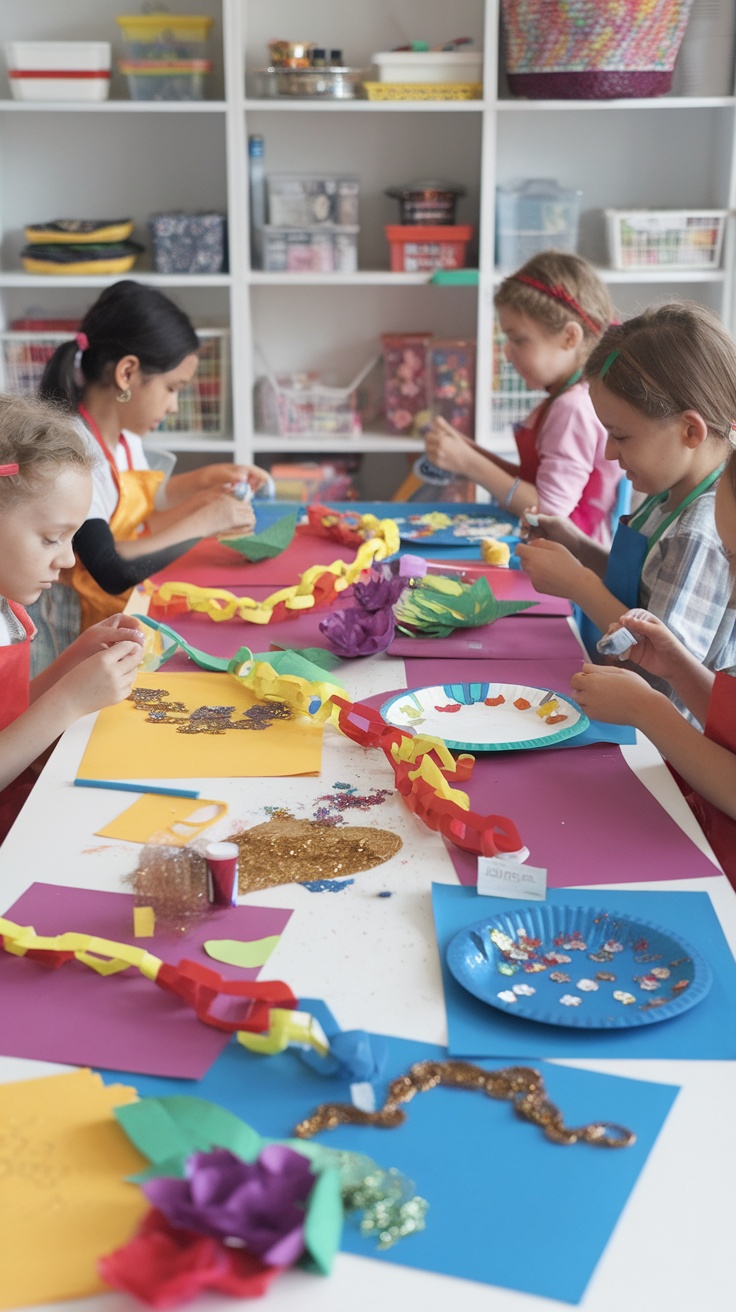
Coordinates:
592 49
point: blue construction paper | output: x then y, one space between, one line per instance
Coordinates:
707 1032
507 1206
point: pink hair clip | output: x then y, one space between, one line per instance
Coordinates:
6 471
82 341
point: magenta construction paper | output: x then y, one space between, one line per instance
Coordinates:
537 672
123 1022
509 585
515 635
211 565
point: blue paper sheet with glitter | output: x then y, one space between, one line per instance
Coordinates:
707 1032
506 1206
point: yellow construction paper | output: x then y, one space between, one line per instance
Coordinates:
64 1200
167 821
144 922
123 745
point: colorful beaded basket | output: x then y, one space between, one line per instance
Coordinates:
592 49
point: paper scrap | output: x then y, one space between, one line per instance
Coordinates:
271 542
166 821
144 922
502 877
234 952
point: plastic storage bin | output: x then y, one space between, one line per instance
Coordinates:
452 382
302 200
323 249
59 70
429 66
416 248
203 405
167 55
188 243
295 404
536 216
682 239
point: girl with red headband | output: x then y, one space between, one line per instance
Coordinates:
552 312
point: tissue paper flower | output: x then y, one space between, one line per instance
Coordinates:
261 1204
438 604
165 1267
382 589
358 632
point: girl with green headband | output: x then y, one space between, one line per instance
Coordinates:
664 386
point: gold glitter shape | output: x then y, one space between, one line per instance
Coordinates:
284 850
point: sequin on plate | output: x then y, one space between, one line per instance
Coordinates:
559 977
523 990
586 985
507 968
507 996
556 958
605 975
600 956
647 983
660 972
570 1000
680 984
625 998
613 945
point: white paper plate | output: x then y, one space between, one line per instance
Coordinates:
470 724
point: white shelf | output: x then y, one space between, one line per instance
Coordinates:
113 106
42 280
345 446
190 442
362 278
296 105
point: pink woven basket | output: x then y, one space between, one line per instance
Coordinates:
592 49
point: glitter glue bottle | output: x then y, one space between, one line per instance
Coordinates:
222 873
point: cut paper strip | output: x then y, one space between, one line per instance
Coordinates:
268 543
125 1022
706 1033
124 746
464 1152
234 952
167 821
64 1197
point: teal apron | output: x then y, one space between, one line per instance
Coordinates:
629 550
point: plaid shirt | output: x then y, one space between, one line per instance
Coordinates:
690 584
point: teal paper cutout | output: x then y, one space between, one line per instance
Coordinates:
271 542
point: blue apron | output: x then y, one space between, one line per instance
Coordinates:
628 553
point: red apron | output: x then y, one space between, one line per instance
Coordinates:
586 515
720 727
15 681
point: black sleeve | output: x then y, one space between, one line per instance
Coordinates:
94 544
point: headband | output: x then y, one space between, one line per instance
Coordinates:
7 471
608 362
561 294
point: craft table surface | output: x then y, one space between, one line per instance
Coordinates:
374 961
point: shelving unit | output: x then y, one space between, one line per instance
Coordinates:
126 157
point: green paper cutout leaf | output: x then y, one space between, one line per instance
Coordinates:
291 661
436 606
215 664
323 1222
234 952
326 660
168 1130
271 542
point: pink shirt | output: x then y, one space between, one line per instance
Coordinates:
574 479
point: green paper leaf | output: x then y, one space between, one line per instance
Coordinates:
323 1222
271 542
168 1130
291 661
235 952
215 664
326 660
437 605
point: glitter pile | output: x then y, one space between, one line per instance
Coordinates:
173 881
284 850
205 719
347 798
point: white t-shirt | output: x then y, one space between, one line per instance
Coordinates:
11 629
104 491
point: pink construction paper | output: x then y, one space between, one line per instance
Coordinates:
209 564
583 814
517 636
507 585
121 1022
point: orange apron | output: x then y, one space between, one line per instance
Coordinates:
136 494
15 681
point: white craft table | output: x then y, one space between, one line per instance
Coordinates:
375 963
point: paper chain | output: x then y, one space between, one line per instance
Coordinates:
202 989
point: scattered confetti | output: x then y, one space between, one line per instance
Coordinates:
507 996
384 894
523 990
586 985
607 976
559 977
326 885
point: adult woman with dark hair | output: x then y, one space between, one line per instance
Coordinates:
134 351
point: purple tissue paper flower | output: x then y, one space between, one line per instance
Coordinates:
261 1204
358 632
380 590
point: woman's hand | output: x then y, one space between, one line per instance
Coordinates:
447 448
551 567
613 695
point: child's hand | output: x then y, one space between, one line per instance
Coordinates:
657 650
103 679
554 528
223 476
613 695
219 512
551 567
447 448
108 632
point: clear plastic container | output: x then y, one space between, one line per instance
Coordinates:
301 200
151 79
166 36
325 249
537 215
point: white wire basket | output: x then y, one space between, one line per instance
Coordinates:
674 239
203 405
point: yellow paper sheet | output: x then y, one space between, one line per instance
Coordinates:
64 1200
168 821
123 745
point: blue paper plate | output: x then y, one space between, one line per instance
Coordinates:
461 715
464 530
582 967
